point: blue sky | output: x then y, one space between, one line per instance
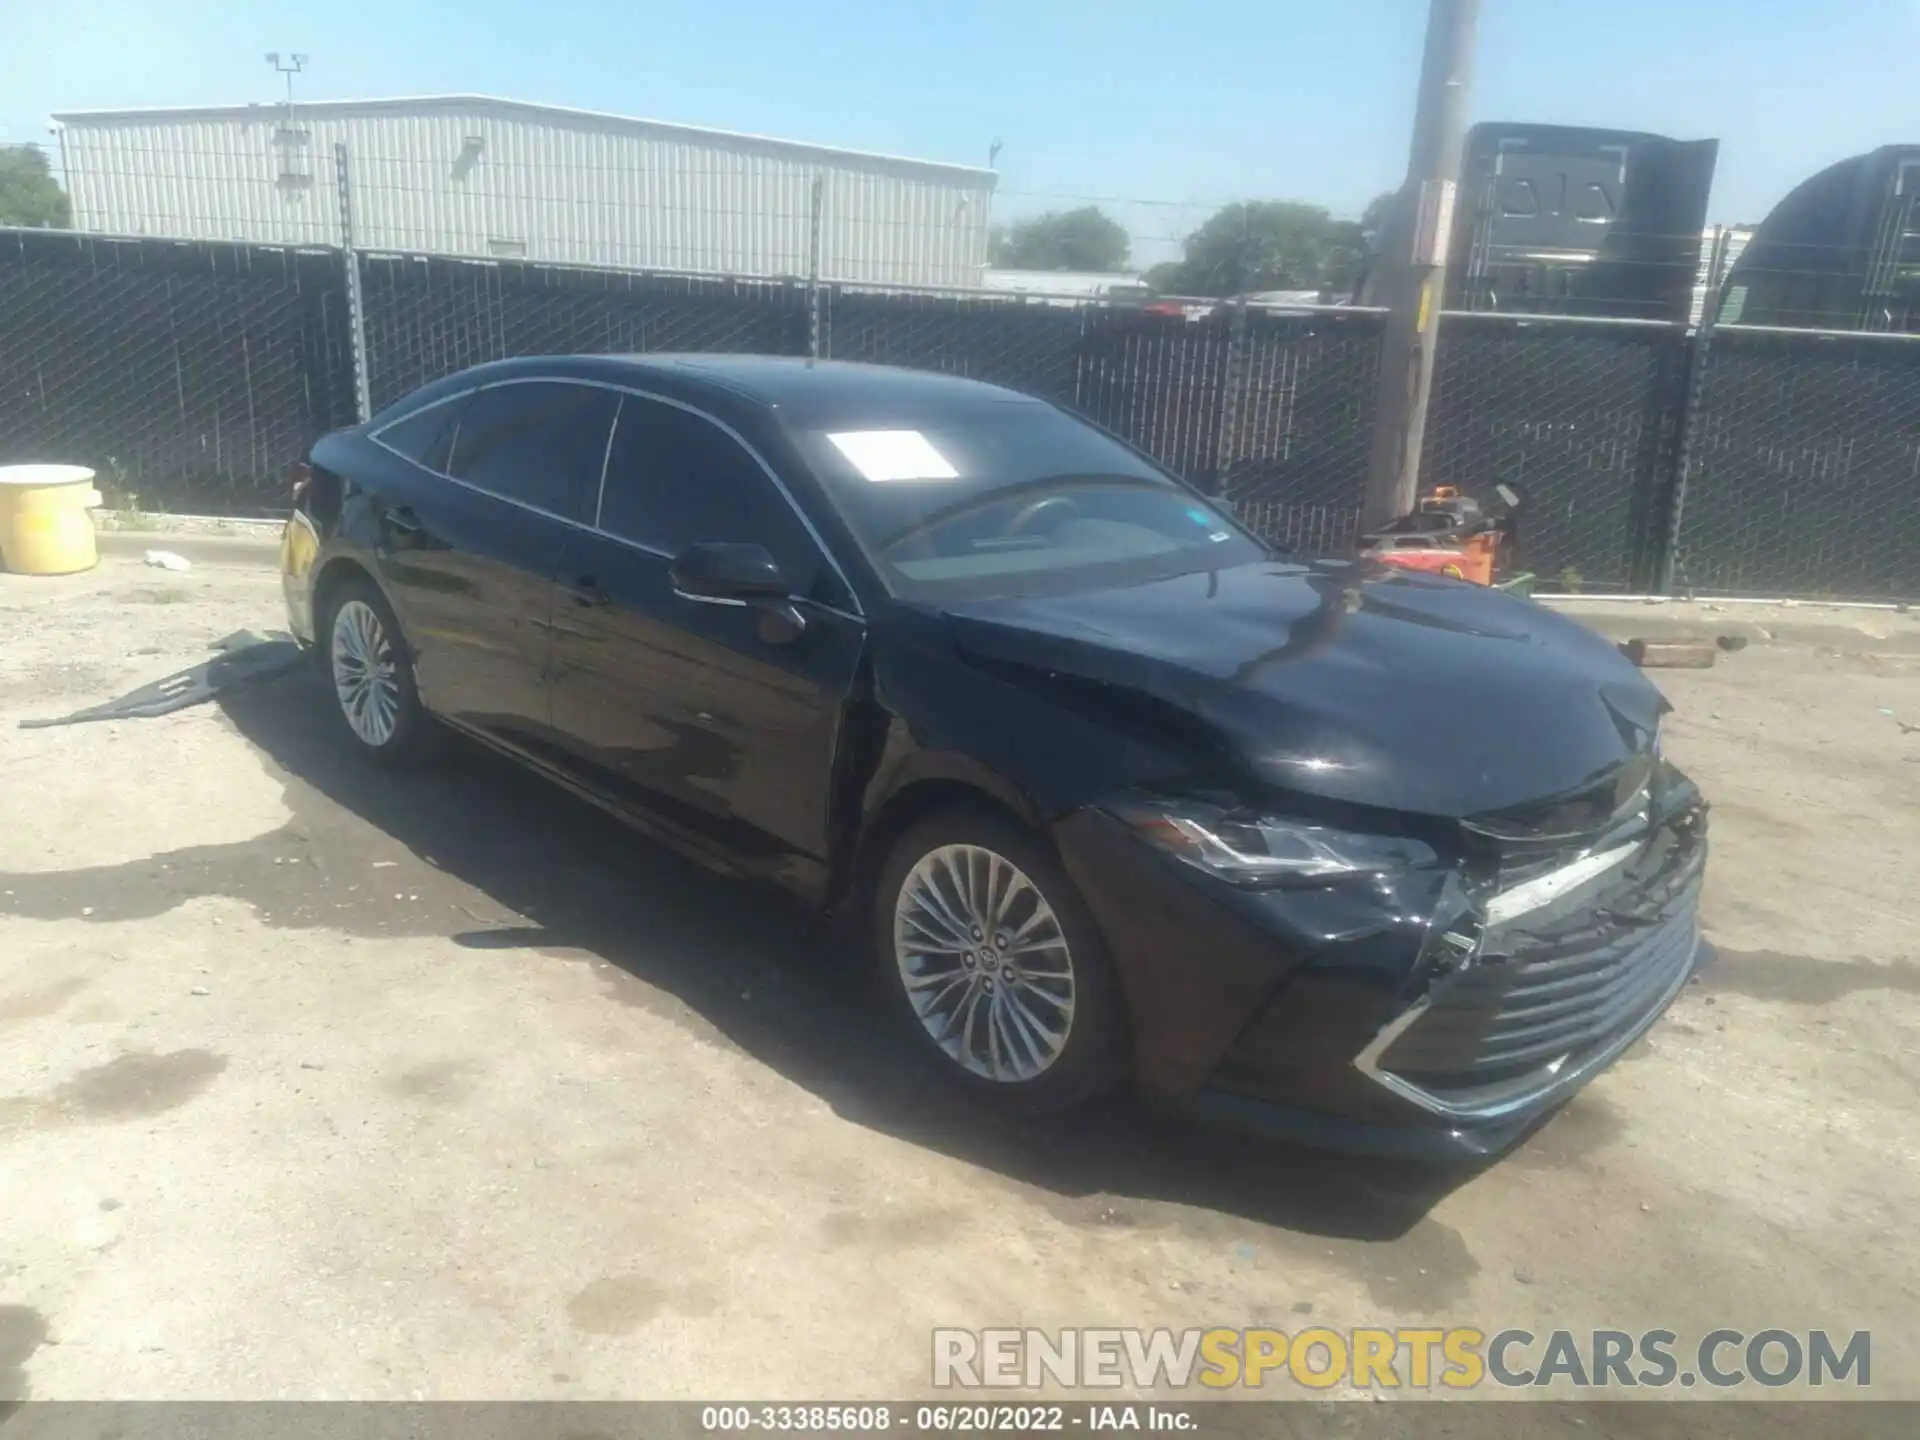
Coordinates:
1169 105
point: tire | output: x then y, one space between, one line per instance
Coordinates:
380 714
1023 1049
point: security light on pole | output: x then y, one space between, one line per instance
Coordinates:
289 65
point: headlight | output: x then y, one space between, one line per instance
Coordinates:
1249 848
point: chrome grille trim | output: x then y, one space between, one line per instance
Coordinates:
1536 1090
1515 1031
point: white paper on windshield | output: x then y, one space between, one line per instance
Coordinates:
893 455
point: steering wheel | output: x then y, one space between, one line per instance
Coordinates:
1060 507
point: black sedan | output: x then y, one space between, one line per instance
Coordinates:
1375 860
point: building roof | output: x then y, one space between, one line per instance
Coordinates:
519 109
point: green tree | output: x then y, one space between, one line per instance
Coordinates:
1374 222
1373 219
1267 245
1164 277
28 194
1083 239
1272 244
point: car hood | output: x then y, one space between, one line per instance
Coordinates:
1354 682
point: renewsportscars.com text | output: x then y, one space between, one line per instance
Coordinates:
1456 1358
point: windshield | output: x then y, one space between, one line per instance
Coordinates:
1010 498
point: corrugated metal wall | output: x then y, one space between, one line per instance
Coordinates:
511 181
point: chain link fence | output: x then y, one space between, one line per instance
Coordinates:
191 375
429 316
187 375
1803 467
1030 347
1582 416
1300 395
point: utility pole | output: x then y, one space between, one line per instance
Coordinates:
1413 261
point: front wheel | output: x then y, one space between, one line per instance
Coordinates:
370 671
994 964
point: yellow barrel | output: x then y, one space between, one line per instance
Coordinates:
46 525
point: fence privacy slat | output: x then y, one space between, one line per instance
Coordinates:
191 375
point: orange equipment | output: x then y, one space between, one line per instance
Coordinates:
1449 534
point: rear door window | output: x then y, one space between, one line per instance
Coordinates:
426 436
539 443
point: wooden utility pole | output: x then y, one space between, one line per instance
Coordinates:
1413 261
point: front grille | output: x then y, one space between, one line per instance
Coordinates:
1549 994
1494 1021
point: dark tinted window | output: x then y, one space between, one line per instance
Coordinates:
675 479
427 435
540 442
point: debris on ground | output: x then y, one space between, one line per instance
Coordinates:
1670 654
167 560
246 657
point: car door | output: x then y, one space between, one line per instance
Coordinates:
718 722
471 560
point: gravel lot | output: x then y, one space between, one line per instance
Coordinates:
320 1083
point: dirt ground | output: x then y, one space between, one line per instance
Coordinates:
316 1082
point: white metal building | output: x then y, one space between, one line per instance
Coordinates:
470 175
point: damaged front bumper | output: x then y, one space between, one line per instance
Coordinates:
1416 1017
1539 1006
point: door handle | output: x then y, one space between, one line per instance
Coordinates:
586 591
399 529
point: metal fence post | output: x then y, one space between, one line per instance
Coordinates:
356 311
1232 382
1669 557
815 206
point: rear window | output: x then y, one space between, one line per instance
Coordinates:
541 443
426 436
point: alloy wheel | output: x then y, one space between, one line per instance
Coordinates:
366 676
985 962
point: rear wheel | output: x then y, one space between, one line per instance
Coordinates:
993 963
370 671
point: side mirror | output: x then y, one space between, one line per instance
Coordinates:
716 570
719 573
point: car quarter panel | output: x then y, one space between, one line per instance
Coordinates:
470 578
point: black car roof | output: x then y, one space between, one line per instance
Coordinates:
791 383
